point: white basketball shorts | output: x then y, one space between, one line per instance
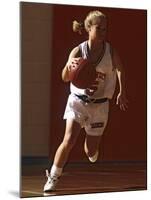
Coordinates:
91 116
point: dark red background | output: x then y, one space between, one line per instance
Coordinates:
125 137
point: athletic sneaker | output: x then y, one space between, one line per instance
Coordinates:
94 158
51 182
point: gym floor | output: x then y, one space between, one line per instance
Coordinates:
86 178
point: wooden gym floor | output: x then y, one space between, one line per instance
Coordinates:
86 178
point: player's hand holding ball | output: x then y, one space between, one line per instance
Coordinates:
81 72
73 63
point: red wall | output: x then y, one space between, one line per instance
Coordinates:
125 136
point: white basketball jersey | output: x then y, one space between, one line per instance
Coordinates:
105 83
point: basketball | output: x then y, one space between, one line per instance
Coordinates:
83 75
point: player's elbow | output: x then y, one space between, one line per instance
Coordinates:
65 77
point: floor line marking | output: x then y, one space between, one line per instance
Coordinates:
32 192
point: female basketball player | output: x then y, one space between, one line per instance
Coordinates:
80 111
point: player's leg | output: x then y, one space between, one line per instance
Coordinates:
97 123
71 133
91 147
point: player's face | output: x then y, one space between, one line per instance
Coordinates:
97 31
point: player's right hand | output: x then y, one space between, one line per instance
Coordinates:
73 63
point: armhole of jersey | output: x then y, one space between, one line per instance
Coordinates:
80 50
111 50
111 53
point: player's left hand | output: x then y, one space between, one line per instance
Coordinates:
122 101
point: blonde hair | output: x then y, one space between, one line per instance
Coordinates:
78 26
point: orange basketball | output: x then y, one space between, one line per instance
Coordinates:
83 75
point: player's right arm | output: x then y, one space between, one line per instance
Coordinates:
72 61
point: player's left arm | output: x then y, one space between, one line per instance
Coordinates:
118 66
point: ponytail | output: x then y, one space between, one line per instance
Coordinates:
77 27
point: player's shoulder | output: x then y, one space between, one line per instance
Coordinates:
76 51
110 47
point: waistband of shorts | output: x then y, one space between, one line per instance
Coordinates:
86 99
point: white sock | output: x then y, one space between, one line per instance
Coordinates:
56 171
